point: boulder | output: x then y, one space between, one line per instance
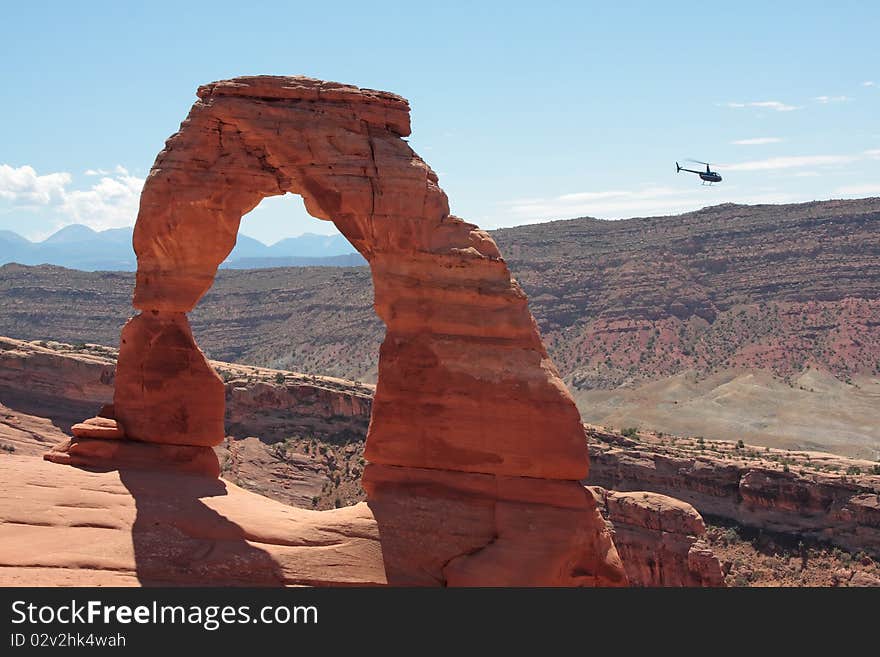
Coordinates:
661 540
98 427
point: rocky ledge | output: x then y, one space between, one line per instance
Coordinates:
811 494
661 540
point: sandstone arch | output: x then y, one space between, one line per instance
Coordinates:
464 380
475 445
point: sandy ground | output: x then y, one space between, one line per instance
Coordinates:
815 412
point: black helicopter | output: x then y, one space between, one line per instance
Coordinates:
708 176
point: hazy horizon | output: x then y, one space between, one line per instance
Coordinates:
332 232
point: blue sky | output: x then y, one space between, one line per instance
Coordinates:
527 111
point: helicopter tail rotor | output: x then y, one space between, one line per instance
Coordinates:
677 168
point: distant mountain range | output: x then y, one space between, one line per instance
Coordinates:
80 247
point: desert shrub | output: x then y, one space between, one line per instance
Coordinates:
853 470
740 444
730 535
630 432
8 448
279 378
741 580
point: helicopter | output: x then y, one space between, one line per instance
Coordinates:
707 176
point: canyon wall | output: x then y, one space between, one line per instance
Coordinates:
661 540
794 494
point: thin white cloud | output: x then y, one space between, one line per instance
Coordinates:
873 153
118 169
756 141
869 83
805 174
111 202
824 100
791 162
774 105
24 185
617 204
871 189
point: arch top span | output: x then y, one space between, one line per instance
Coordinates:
381 109
339 147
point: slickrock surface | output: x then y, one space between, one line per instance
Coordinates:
661 540
466 390
25 433
130 527
67 526
137 526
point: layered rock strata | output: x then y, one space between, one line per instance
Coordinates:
661 540
803 498
64 382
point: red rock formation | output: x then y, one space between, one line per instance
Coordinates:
48 381
63 382
466 529
803 499
464 381
74 527
661 540
466 390
131 454
166 392
308 406
98 427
